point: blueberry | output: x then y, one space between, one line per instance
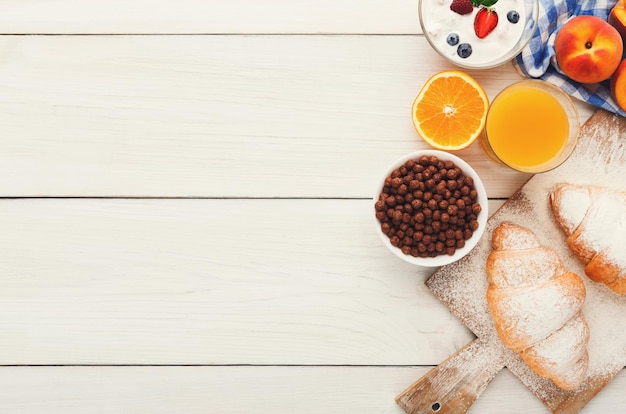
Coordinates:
453 39
513 16
464 50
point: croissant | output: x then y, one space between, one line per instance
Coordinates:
594 220
536 306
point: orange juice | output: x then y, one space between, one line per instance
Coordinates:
528 128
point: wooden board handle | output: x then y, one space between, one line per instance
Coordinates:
453 386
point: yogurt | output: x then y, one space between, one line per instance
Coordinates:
439 22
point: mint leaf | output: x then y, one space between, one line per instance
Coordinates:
483 3
488 3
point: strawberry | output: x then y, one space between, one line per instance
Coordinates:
485 21
462 6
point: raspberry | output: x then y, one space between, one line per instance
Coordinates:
461 6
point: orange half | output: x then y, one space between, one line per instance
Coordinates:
450 110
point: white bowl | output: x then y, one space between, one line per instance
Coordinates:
497 48
442 259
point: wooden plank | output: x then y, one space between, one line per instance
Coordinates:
235 390
200 17
97 281
216 116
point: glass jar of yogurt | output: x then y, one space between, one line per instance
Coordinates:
454 36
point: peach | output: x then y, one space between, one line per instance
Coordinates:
617 18
588 49
618 85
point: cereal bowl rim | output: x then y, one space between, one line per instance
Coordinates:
483 216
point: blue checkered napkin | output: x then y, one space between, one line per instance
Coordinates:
537 59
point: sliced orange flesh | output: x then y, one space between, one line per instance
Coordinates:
450 110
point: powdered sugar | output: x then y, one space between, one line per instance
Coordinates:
528 267
599 159
572 205
603 220
567 340
563 355
529 315
604 226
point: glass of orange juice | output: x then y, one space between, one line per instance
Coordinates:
532 126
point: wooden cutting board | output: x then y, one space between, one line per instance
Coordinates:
452 387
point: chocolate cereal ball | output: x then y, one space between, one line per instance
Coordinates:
428 207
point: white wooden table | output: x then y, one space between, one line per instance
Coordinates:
186 213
